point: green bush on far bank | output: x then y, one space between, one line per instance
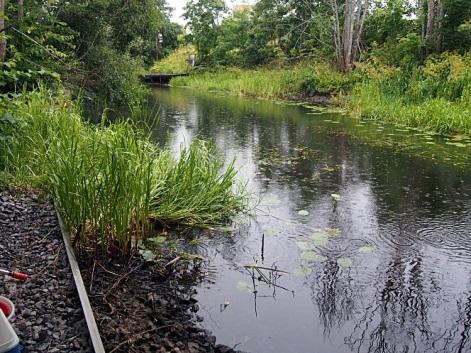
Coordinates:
302 80
175 62
111 182
434 97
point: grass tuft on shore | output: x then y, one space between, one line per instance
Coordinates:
435 97
110 181
302 80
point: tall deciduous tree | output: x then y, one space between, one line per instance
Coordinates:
433 27
204 17
347 35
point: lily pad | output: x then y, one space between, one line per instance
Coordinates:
366 249
312 256
328 169
302 245
303 213
332 231
270 230
302 271
320 238
148 255
271 200
336 197
244 287
457 144
158 240
345 262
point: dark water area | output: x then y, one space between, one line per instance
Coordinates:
371 223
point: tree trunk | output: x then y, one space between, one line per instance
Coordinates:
359 28
347 39
348 25
336 33
430 28
3 40
21 9
433 26
439 33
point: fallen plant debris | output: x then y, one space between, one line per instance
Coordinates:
147 306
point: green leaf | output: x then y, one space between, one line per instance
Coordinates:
270 230
312 256
302 271
158 240
345 262
366 249
148 255
336 197
244 287
320 238
332 231
302 245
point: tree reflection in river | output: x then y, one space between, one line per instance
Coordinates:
397 258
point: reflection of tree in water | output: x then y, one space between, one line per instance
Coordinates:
457 339
334 295
399 320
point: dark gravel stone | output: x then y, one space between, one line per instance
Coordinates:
31 242
139 306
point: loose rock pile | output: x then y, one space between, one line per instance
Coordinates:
48 316
139 306
144 307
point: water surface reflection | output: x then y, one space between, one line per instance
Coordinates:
375 237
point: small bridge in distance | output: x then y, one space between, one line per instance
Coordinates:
160 78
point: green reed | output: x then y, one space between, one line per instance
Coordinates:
111 181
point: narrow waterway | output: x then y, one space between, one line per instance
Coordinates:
371 224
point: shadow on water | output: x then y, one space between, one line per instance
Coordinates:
370 222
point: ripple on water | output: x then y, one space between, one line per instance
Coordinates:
453 239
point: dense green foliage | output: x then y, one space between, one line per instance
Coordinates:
97 48
436 96
290 30
110 181
407 62
301 81
175 62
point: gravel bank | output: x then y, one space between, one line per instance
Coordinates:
139 306
147 307
48 315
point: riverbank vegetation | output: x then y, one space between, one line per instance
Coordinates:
302 80
96 49
392 60
110 181
176 61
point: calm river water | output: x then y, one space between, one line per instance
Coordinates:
371 224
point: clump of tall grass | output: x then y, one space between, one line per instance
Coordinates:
434 97
303 79
110 181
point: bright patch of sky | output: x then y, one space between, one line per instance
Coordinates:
178 6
